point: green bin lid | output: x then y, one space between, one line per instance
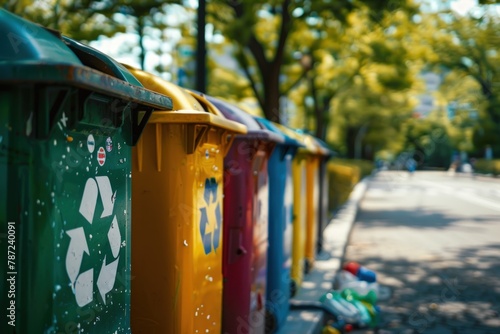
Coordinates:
31 54
24 41
96 59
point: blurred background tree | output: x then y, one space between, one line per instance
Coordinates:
264 55
350 72
87 20
472 48
83 20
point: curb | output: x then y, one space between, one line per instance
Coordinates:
328 263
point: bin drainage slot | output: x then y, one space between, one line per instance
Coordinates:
194 136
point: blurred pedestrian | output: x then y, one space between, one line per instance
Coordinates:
453 168
411 165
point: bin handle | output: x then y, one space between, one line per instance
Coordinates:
193 138
229 141
138 126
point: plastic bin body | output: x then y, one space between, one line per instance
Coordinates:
299 223
65 154
314 226
323 202
323 214
300 187
279 257
177 232
312 209
246 203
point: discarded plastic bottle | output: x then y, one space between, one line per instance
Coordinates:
346 280
339 306
352 267
366 274
369 313
330 330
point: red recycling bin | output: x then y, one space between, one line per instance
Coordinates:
245 231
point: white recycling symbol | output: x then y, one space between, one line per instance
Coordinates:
83 283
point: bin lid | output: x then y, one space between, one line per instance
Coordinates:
326 150
306 142
97 60
271 126
24 41
181 99
321 147
187 108
255 129
33 54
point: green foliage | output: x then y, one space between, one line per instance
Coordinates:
86 20
83 20
341 181
263 34
349 69
429 141
343 175
363 82
487 166
365 166
471 46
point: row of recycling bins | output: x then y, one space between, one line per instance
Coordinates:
129 204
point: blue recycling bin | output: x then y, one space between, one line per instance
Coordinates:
280 229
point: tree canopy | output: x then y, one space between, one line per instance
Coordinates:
351 72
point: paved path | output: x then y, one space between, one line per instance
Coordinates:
434 240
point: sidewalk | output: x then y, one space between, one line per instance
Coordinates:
327 264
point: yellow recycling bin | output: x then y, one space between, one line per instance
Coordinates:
300 190
313 160
177 215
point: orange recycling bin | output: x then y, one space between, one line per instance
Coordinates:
314 159
177 181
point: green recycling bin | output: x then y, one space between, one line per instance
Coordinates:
68 118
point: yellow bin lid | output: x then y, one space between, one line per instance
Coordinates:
188 107
306 140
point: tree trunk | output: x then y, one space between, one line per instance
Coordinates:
322 117
350 140
269 70
272 94
358 145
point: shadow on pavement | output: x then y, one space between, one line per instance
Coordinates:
414 219
441 296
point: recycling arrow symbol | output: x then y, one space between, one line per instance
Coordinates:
82 283
210 217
